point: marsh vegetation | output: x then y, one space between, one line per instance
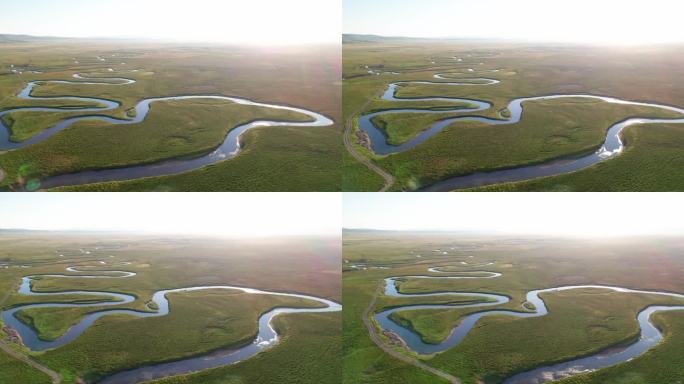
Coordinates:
580 322
550 129
198 322
302 77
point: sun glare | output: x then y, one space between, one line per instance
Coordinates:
216 214
564 214
262 22
622 22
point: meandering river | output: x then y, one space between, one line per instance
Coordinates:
267 336
649 337
612 144
227 150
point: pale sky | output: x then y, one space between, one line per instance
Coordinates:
222 214
620 22
566 214
262 22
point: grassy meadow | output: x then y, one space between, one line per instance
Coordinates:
579 323
199 322
651 162
318 358
296 159
553 129
649 369
15 371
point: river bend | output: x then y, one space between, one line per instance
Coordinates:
266 338
611 146
229 148
649 337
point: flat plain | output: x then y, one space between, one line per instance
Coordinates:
275 158
580 322
197 324
549 130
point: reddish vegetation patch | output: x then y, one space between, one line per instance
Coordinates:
394 339
363 140
12 335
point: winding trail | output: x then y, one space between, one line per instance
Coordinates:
372 331
650 336
348 143
227 150
611 147
267 336
54 376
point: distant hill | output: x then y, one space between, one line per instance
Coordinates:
23 38
362 230
22 231
350 38
9 231
350 231
457 232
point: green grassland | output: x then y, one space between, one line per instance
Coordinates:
173 129
641 73
650 368
319 357
580 322
272 159
63 104
588 323
53 322
362 361
15 371
199 321
356 176
26 124
548 129
651 161
402 127
298 76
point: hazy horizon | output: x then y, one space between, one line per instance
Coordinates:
194 214
170 42
545 214
578 21
505 234
151 233
257 22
